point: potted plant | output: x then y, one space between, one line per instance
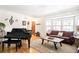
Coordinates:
2 25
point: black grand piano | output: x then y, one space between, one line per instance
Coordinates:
19 34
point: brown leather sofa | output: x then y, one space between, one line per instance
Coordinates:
67 36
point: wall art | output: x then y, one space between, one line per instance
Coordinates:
24 23
11 20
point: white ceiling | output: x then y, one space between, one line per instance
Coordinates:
35 10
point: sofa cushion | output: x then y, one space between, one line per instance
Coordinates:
54 32
68 34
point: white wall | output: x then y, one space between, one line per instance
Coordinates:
41 28
17 24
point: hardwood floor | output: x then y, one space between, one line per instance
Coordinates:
36 47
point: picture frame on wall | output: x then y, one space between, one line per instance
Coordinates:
11 21
24 23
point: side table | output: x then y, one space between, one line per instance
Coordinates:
76 41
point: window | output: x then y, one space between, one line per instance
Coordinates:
48 25
56 24
77 22
61 24
67 24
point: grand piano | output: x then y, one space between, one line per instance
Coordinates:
19 34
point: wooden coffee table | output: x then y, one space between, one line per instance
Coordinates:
54 40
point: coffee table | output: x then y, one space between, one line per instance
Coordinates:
54 40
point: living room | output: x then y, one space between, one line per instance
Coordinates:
44 21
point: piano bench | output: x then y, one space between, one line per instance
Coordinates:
17 42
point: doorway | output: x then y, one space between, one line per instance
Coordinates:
33 27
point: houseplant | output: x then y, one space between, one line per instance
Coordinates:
2 25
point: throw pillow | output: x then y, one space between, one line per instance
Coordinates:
60 33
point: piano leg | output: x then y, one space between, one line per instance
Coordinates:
8 45
2 46
20 44
16 46
29 43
